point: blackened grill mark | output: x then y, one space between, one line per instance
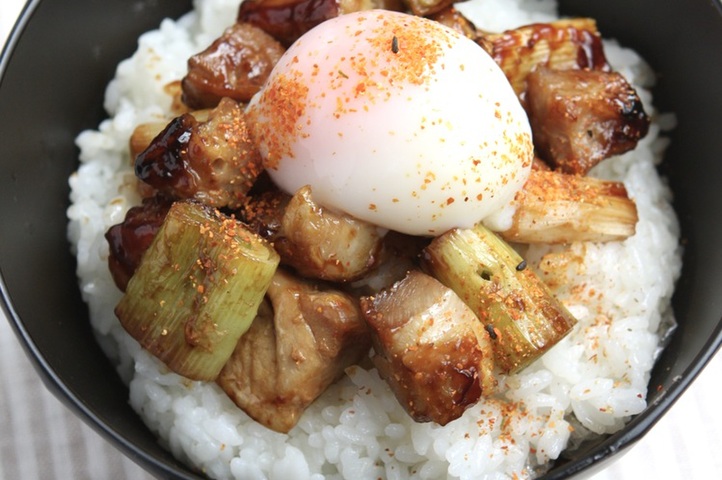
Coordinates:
590 52
490 329
286 21
163 164
129 240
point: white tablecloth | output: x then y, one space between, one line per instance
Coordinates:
39 438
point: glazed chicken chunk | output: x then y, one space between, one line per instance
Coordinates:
300 343
128 240
317 242
207 156
235 65
453 19
430 347
581 117
287 20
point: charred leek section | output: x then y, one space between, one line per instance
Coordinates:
558 208
517 309
197 289
573 43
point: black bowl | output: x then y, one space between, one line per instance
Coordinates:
55 69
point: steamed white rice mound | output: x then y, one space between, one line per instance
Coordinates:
591 383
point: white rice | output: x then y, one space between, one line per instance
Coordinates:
591 383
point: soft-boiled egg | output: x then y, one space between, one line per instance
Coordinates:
396 120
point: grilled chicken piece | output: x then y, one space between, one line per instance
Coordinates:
317 242
143 135
453 19
425 8
581 117
286 20
212 160
558 208
235 65
399 254
326 244
561 45
263 213
300 343
430 347
129 240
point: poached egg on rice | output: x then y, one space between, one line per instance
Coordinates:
396 120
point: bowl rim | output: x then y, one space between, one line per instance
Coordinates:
40 364
14 35
609 449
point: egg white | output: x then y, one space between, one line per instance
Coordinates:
396 120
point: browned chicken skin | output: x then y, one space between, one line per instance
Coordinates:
235 65
213 161
321 243
430 347
129 240
580 111
300 343
452 18
317 242
287 20
581 117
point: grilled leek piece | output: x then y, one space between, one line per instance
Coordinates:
197 289
564 44
558 208
516 308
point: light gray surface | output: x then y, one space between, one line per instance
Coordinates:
40 438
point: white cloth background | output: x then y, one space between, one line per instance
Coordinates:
41 439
